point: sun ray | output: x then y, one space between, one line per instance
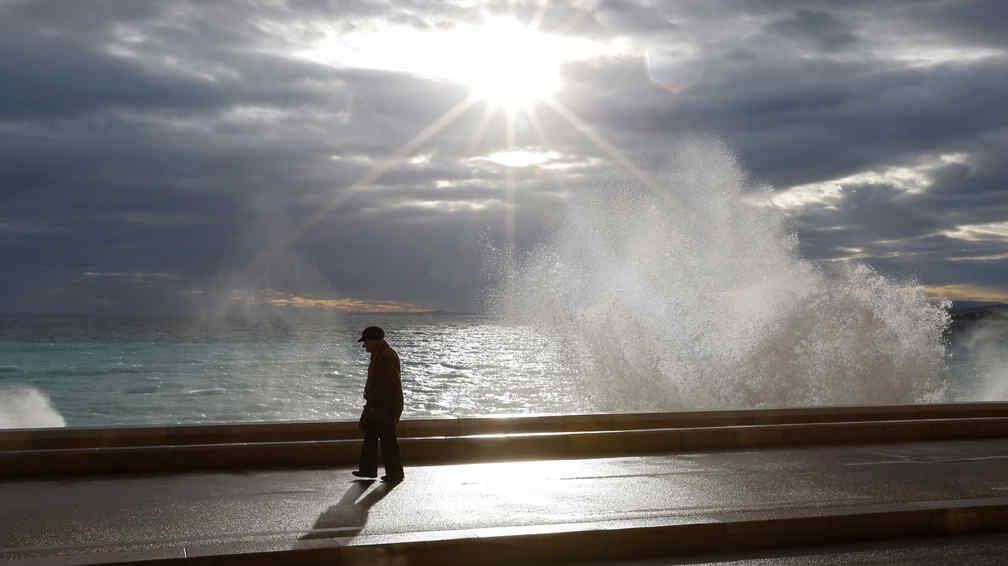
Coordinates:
541 138
477 135
509 210
607 148
373 174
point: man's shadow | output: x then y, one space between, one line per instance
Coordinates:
347 518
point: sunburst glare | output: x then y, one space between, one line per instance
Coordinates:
502 60
510 65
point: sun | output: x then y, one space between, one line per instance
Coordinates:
507 63
500 59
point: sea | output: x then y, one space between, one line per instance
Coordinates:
88 371
99 371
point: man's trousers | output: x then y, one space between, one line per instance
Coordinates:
379 427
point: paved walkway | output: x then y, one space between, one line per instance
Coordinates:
84 519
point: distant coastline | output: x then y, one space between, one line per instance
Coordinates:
969 313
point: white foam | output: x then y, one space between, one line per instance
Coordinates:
983 346
22 406
694 297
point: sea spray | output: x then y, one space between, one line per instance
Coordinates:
22 406
693 295
979 357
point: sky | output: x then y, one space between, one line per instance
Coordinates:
164 157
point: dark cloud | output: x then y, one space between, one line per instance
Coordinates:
971 22
45 77
821 29
946 233
634 17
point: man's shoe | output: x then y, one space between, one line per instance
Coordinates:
361 474
387 479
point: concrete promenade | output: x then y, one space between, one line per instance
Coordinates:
678 502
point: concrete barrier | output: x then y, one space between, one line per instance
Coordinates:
65 438
496 447
600 543
604 543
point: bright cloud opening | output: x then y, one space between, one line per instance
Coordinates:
967 292
501 60
519 157
912 179
978 232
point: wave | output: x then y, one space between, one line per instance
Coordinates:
694 295
460 367
207 391
94 372
22 406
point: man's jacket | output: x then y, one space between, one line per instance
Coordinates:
383 389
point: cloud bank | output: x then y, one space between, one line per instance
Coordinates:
153 154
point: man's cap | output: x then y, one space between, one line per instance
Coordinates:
371 333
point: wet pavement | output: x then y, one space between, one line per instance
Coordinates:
83 519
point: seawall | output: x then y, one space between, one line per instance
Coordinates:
171 449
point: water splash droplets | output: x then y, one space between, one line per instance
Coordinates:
697 298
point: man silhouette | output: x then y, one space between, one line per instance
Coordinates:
383 405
